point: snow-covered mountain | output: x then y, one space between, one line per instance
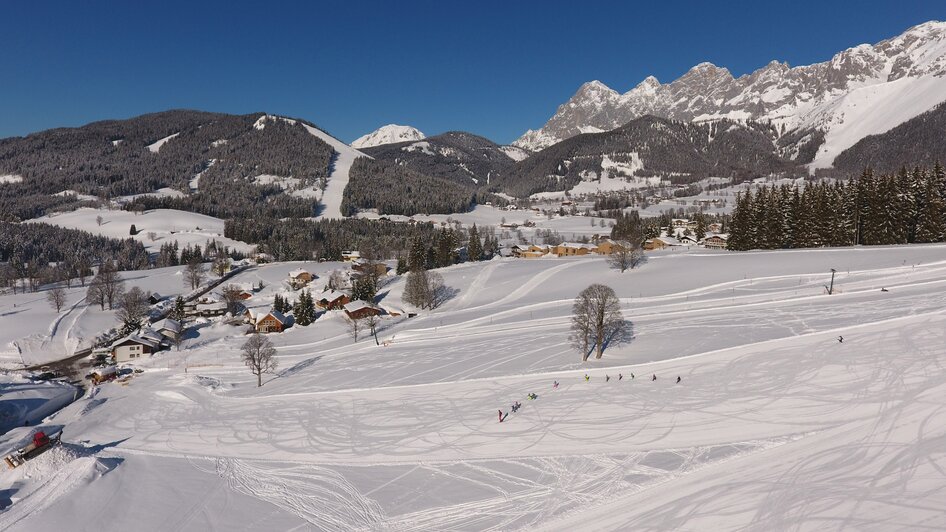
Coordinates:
864 90
389 134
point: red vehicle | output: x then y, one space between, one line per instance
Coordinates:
40 444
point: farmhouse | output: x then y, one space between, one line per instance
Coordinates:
679 223
716 241
299 278
662 242
133 347
266 321
209 310
715 227
364 267
349 256
608 246
154 298
357 310
169 329
332 300
569 249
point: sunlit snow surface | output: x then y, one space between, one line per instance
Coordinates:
775 425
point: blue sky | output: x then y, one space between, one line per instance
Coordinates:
492 68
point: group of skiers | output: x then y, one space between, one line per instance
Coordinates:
532 396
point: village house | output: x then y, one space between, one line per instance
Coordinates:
535 251
349 256
332 300
169 329
716 241
662 242
154 298
688 240
679 223
209 310
359 309
714 227
266 321
607 246
133 347
569 249
300 278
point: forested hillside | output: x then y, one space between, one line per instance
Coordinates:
163 150
395 189
464 158
680 152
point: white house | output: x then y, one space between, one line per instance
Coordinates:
133 347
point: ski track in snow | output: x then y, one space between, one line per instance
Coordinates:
338 179
776 425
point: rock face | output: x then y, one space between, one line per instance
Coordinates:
388 134
910 66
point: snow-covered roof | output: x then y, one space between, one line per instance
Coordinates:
669 240
721 236
331 295
297 272
138 339
280 317
169 324
220 305
358 305
575 245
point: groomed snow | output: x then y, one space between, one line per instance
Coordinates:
156 146
776 425
345 155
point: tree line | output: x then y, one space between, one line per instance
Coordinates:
906 207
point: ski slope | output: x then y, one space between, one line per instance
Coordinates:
776 424
345 155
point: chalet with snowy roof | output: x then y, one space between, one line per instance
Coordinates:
209 310
299 278
154 298
349 256
267 321
569 249
332 300
169 329
359 309
607 246
714 227
716 241
679 223
687 240
133 347
662 242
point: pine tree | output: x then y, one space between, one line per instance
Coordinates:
475 248
304 309
364 288
177 312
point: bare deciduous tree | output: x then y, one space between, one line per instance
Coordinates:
424 289
371 322
260 356
336 281
98 220
152 236
194 273
232 294
354 328
596 320
625 256
106 287
132 308
56 298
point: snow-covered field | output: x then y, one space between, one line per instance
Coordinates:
31 332
775 425
168 225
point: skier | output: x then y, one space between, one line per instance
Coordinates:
620 376
516 406
587 378
884 290
655 377
532 396
678 379
607 378
840 339
500 416
555 385
632 376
